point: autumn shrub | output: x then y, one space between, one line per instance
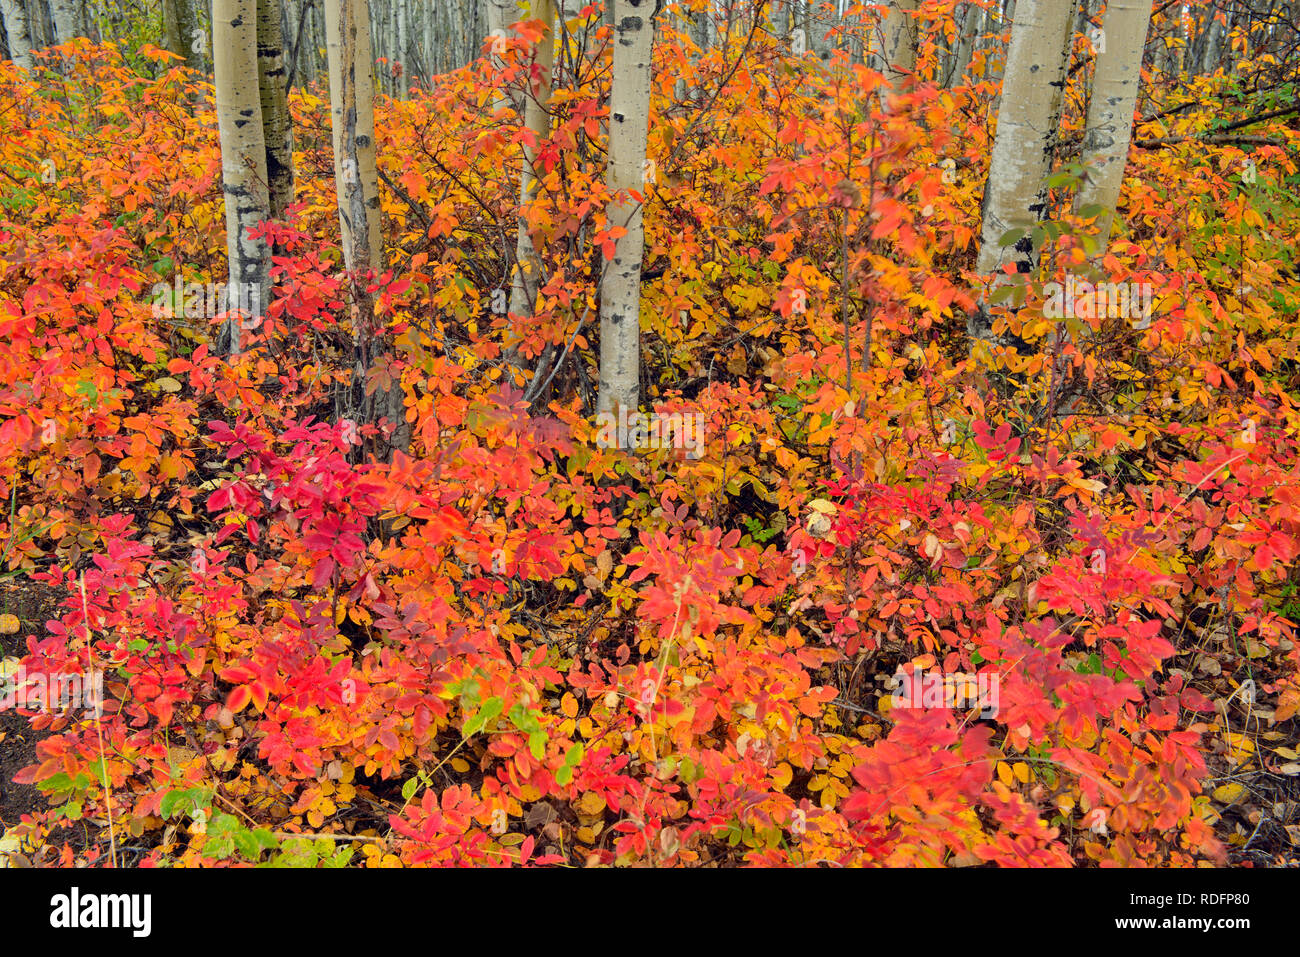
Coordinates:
512 645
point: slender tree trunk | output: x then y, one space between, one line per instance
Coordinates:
620 289
347 32
1015 196
894 44
277 125
1110 112
822 18
313 43
500 15
970 26
528 266
1006 16
377 394
1213 48
173 38
66 20
403 43
781 18
17 32
195 55
243 158
699 25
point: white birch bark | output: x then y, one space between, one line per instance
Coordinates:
403 44
277 127
1110 112
1015 195
822 18
17 32
352 118
528 266
620 289
500 15
243 157
65 19
894 43
971 26
347 39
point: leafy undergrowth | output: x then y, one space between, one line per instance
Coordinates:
515 646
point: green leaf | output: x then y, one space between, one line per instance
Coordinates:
489 712
537 744
564 775
248 845
408 789
340 858
1011 237
573 756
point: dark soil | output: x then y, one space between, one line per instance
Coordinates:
34 604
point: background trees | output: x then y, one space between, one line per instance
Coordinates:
506 636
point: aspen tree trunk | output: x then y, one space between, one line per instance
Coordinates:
403 43
311 43
71 29
1006 17
1110 113
38 22
347 39
971 26
1213 45
17 32
620 288
528 266
302 66
821 18
277 126
894 44
1015 195
781 18
243 158
500 15
700 19
65 19
173 40
352 118
195 55
426 43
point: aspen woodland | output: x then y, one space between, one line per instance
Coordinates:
807 434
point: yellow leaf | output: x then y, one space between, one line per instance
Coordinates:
1229 793
782 775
